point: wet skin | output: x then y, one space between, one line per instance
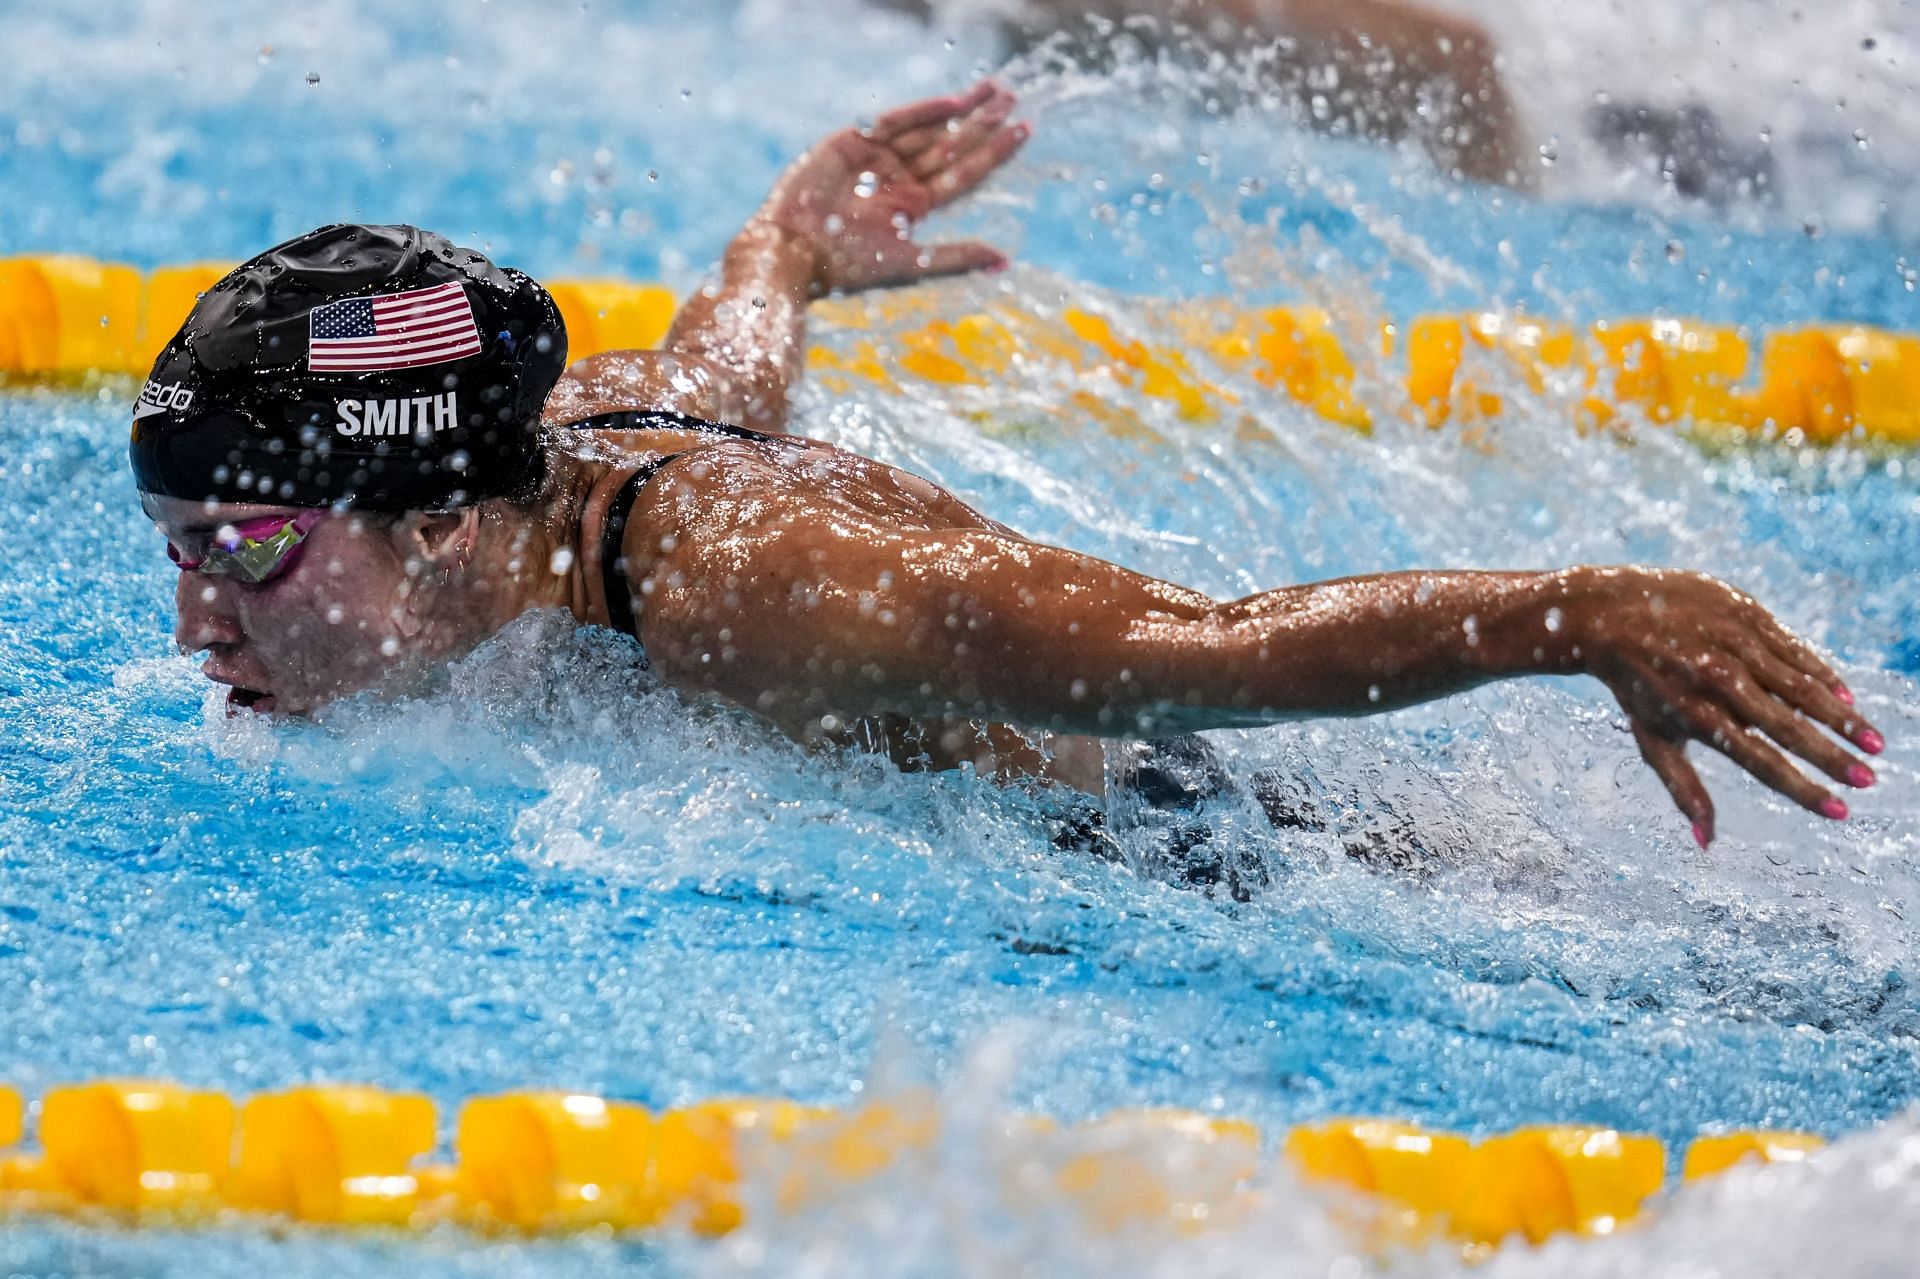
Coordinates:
841 598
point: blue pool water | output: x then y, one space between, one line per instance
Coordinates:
543 872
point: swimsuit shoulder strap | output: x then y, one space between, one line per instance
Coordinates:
663 420
622 611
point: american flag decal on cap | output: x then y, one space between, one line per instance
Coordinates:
392 331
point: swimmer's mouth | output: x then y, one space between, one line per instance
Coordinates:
239 696
249 699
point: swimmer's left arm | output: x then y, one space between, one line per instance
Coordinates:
818 620
841 220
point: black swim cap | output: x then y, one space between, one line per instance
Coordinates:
380 366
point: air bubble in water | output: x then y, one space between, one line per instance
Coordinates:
1676 252
313 79
1555 620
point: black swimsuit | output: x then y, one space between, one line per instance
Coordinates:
622 612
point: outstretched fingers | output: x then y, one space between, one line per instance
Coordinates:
1667 757
930 111
1799 655
928 151
959 258
974 167
1710 722
1812 696
1798 734
922 140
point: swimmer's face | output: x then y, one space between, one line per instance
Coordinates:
340 619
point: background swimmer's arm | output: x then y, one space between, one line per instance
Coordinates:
840 220
1400 53
818 619
1390 59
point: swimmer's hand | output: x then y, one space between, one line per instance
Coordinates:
1692 659
855 198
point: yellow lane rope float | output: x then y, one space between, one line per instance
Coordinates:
546 1162
66 316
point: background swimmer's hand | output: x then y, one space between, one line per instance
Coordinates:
855 198
1690 658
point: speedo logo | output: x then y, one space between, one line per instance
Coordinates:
421 415
162 397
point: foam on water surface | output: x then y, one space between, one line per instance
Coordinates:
540 870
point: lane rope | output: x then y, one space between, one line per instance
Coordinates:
139 1151
64 317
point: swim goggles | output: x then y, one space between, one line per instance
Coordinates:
255 551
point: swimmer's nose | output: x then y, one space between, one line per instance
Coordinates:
203 616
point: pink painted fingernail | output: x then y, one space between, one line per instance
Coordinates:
1844 693
1834 808
1871 742
1859 775
1701 835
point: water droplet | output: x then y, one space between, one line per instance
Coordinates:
389 647
1676 252
313 79
1860 138
1555 620
867 184
561 562
1373 692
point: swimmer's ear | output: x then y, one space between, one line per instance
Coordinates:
441 540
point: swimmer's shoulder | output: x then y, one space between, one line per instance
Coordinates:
629 381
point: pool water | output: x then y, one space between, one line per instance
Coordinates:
542 871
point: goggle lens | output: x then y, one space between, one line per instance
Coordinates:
254 551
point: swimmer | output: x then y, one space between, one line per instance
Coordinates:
367 455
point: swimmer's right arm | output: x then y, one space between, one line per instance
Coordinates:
818 620
840 220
